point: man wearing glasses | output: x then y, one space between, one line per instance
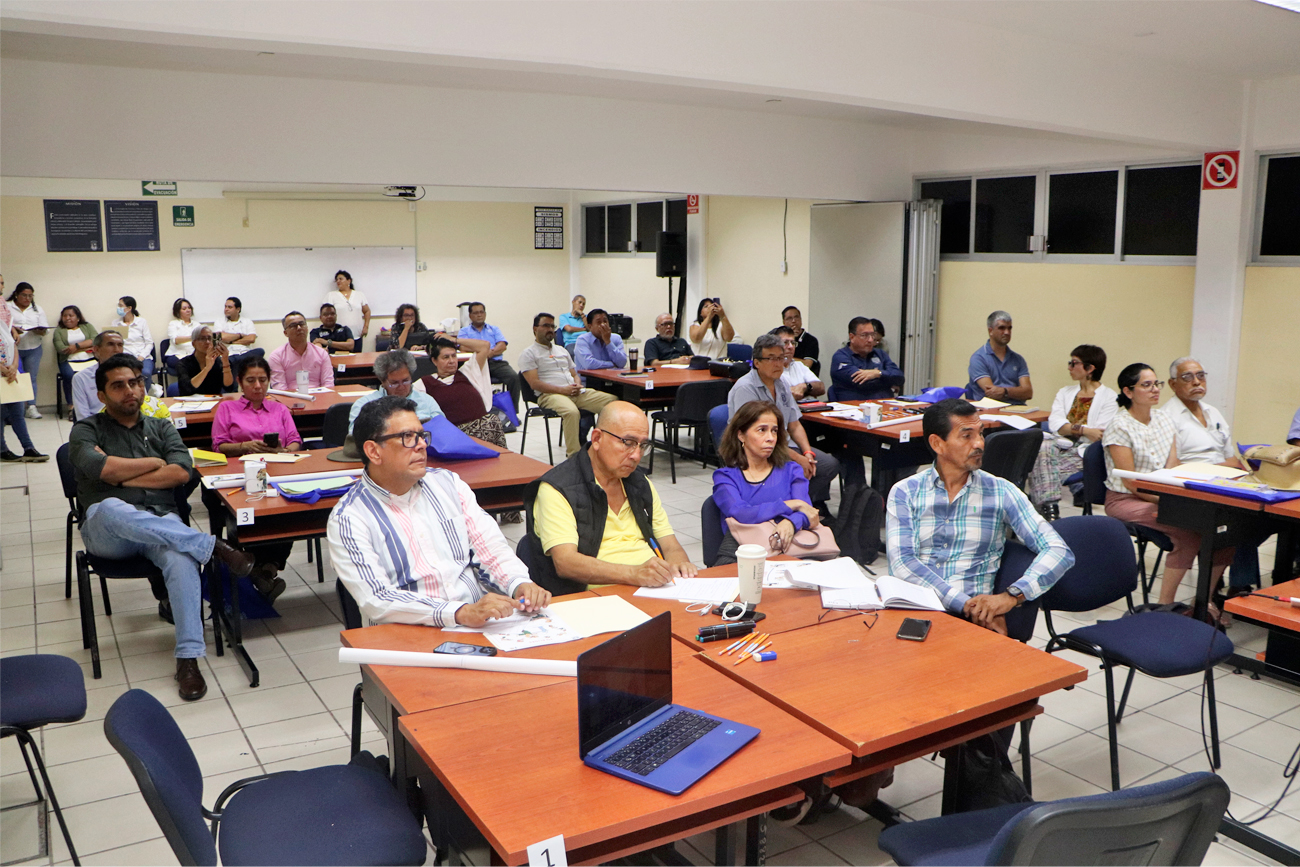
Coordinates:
764 383
549 371
598 518
298 355
862 370
802 381
412 544
1203 434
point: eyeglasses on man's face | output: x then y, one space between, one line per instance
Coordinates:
410 438
629 443
1193 376
780 357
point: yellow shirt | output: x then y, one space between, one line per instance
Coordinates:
622 542
152 407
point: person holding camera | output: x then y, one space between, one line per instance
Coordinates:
208 370
711 331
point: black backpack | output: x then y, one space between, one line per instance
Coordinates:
858 526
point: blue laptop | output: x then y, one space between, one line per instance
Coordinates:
628 725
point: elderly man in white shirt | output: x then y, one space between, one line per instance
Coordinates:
1203 433
802 381
412 544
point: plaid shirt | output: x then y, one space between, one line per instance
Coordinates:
956 547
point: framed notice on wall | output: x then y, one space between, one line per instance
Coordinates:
131 224
548 228
72 226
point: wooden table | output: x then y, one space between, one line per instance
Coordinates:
521 781
633 389
889 701
308 415
359 367
891 458
1281 656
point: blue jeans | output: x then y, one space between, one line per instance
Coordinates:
147 365
119 530
12 414
31 359
68 372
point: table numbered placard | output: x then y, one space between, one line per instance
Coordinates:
548 853
244 517
649 385
904 436
180 422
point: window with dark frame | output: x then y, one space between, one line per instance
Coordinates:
676 215
1081 212
1161 208
1279 232
618 228
954 230
594 219
611 228
649 223
1004 214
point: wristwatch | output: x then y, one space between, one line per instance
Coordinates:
1017 594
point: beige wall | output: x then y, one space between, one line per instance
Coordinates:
474 250
1134 312
1268 386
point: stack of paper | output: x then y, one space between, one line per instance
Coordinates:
695 590
559 623
1010 421
193 405
203 458
988 403
885 592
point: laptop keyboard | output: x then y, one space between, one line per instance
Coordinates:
662 742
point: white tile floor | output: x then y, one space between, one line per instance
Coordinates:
299 717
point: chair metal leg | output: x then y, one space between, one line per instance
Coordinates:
1026 771
550 453
523 440
1143 581
357 705
1123 699
1214 716
320 561
1110 726
672 449
309 551
67 563
25 738
103 588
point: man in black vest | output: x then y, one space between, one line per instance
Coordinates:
598 518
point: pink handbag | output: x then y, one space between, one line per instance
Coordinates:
811 544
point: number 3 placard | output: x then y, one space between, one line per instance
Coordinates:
548 853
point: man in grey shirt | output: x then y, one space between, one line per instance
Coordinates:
764 383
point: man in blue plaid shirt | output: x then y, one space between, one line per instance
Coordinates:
946 526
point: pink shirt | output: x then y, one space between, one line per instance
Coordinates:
237 422
285 364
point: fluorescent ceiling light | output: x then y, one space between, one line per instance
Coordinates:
1292 5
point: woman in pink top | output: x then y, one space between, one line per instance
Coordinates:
252 424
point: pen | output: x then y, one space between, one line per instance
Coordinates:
878 596
730 647
654 544
751 653
757 640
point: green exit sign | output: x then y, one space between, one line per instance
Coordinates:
183 215
157 188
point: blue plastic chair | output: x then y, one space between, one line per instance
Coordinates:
36 690
739 352
711 534
1165 823
337 814
1157 643
831 394
1094 494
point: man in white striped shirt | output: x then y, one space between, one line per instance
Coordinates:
412 544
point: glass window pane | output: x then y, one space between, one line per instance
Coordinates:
594 218
1081 212
954 231
1280 234
618 227
1004 214
1161 206
649 223
676 215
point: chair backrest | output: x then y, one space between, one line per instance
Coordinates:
1165 823
695 400
1094 474
710 530
718 418
173 389
67 475
334 430
832 394
1011 454
1021 619
1105 568
739 352
166 345
382 343
526 390
164 766
351 612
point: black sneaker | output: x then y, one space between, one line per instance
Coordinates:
32 456
9 457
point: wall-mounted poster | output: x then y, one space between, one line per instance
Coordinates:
131 224
548 228
72 226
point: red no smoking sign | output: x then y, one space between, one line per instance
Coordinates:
1220 170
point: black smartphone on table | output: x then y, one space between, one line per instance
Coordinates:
459 649
271 439
914 629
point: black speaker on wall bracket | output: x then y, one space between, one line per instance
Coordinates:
670 258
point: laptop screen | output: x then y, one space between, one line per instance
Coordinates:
624 680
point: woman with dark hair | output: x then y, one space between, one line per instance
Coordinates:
138 341
758 482
351 305
28 326
705 336
1080 413
73 340
12 413
408 332
208 370
1140 439
180 331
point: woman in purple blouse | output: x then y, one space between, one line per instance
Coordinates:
759 482
252 424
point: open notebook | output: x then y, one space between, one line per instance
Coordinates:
885 592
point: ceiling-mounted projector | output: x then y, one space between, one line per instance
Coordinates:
401 192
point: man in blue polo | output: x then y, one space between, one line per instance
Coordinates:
862 370
498 368
996 371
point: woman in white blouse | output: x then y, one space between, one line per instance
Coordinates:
711 330
28 329
1140 439
1080 413
138 340
179 332
351 305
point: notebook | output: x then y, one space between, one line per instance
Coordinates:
628 725
894 593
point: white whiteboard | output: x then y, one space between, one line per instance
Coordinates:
271 281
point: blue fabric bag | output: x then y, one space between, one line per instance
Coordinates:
501 400
311 498
449 443
936 394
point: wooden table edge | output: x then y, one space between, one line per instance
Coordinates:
1203 496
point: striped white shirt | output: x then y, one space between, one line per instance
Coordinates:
418 557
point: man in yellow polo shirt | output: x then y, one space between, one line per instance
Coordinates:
597 519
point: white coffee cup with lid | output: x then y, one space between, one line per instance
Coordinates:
751 562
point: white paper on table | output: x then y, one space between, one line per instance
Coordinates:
516 665
843 407
675 366
1014 421
599 614
695 590
843 413
297 395
1201 471
989 403
275 457
837 573
777 573
357 392
522 630
193 405
855 598
320 389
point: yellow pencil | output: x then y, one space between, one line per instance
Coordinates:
757 640
751 653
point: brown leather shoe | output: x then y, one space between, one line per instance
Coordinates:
266 583
240 563
190 679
